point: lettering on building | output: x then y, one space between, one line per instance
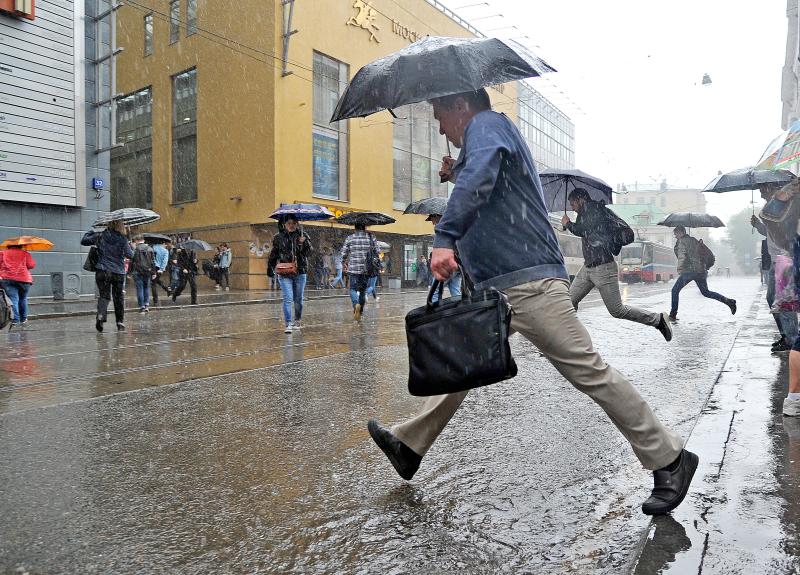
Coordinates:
365 18
405 32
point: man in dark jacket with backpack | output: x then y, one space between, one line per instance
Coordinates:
598 226
692 267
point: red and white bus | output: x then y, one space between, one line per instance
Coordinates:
647 262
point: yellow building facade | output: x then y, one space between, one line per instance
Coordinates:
229 94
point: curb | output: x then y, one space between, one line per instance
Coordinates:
91 312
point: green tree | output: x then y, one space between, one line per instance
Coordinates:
744 242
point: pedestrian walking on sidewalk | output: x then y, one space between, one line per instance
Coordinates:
225 257
692 268
161 264
496 180
186 264
16 279
143 264
290 246
357 248
112 249
338 281
785 320
596 225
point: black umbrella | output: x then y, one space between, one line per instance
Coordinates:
364 218
154 238
557 184
436 66
427 206
197 245
691 220
749 179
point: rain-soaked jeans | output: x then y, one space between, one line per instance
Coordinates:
292 288
358 289
605 278
701 280
108 284
545 316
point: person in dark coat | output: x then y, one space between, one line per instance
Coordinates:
291 245
113 247
186 263
594 225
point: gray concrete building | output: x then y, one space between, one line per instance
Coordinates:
56 88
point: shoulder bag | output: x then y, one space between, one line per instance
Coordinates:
459 344
288 269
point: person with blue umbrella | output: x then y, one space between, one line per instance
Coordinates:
288 259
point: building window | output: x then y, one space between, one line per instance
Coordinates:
132 162
184 137
174 21
329 146
191 17
550 135
148 34
418 149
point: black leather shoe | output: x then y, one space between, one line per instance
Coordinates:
405 460
664 327
732 305
98 324
670 487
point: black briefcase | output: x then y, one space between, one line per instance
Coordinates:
458 344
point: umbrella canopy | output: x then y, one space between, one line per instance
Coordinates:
32 243
130 216
153 238
303 212
365 218
436 66
196 245
783 151
427 206
557 184
691 220
749 179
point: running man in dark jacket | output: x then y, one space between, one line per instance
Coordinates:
594 226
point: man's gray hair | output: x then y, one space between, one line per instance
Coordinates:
477 99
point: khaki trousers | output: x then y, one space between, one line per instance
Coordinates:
544 315
605 278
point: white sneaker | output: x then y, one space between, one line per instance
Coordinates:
791 407
288 328
227 289
296 326
217 288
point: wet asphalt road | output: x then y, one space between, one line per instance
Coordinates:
260 461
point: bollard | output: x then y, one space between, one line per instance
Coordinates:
57 285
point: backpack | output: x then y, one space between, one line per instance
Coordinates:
373 260
5 309
621 233
143 260
705 255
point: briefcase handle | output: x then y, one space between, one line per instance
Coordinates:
466 293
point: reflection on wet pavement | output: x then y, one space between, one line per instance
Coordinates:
268 466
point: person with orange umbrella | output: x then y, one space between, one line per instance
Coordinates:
16 264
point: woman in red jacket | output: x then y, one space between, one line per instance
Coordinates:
16 279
